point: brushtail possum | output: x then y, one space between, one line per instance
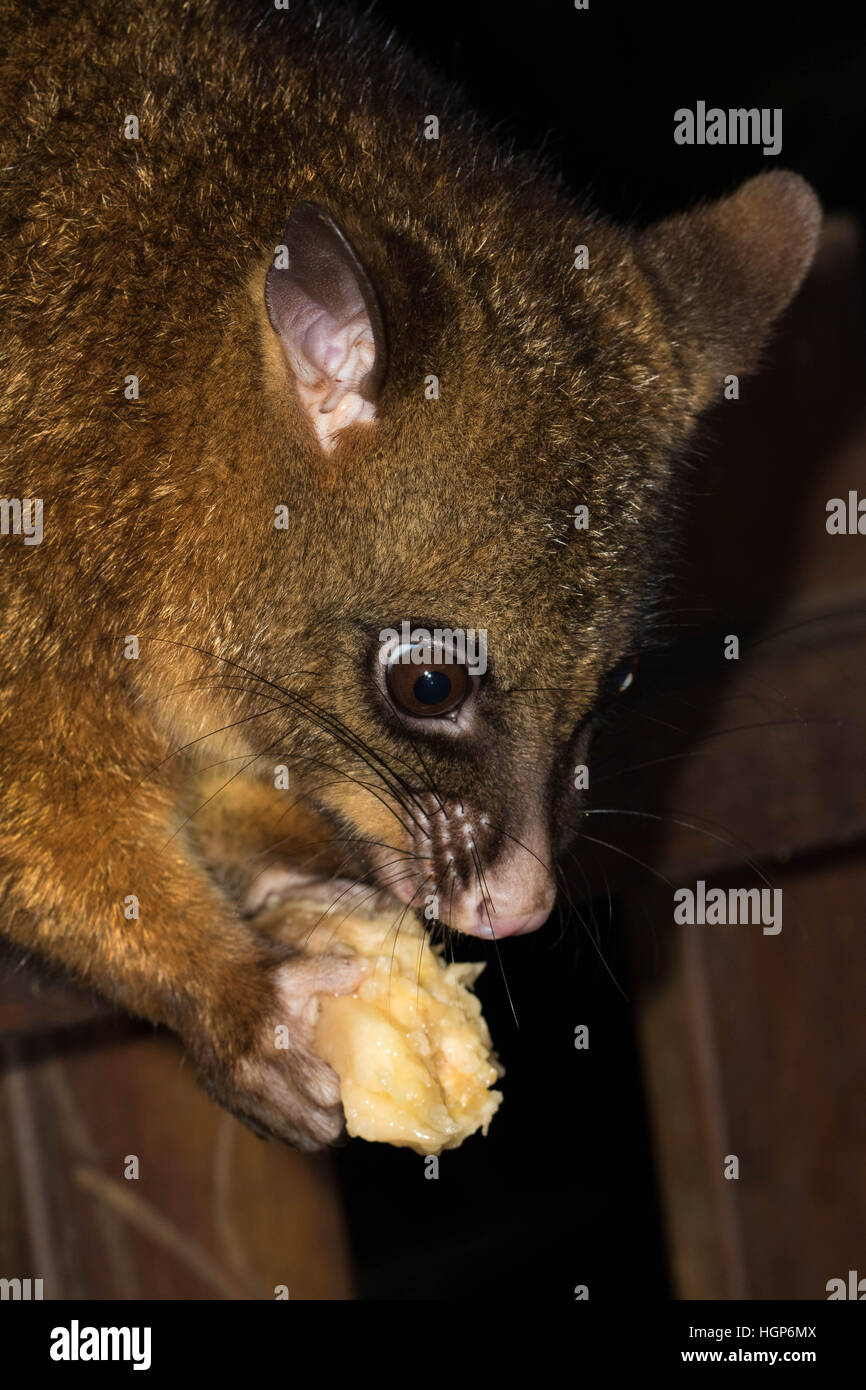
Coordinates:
355 438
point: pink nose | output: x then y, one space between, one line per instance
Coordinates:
516 897
481 918
476 918
494 928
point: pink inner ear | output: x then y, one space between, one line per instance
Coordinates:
324 311
330 361
348 408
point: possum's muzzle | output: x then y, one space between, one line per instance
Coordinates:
472 875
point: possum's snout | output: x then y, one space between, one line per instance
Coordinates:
473 876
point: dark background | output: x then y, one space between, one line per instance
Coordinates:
562 1190
597 89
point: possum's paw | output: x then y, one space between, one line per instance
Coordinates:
280 883
275 884
280 1088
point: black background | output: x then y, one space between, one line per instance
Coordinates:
597 89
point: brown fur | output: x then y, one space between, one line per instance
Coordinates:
558 387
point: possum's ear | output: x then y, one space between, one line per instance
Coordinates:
323 309
726 270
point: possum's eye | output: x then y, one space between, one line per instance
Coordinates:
619 679
425 684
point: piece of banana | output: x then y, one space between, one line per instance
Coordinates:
411 1047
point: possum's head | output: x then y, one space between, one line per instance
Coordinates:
476 452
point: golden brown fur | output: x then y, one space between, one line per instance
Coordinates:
557 387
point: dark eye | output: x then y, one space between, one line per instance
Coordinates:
427 688
619 679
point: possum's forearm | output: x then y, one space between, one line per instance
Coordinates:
135 919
